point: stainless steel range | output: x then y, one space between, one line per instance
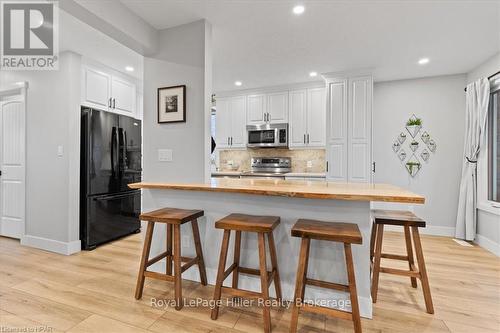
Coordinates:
269 167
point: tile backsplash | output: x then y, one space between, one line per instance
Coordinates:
240 159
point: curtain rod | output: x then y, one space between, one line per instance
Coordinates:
489 77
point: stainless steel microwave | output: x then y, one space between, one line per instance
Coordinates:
267 136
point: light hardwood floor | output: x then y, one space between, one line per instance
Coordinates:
94 292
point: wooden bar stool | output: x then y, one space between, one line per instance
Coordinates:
262 225
173 218
346 233
408 221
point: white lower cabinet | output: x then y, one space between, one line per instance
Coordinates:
230 126
307 118
349 128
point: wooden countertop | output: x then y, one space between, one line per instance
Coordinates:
296 189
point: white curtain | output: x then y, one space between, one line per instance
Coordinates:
477 98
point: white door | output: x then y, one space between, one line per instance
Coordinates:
222 122
359 133
256 108
277 107
123 95
238 110
12 166
316 117
298 116
336 149
96 88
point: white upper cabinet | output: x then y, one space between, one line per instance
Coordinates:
277 108
238 122
359 133
349 129
96 88
316 116
230 126
307 114
298 118
256 109
123 95
106 91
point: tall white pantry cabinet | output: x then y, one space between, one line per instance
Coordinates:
349 128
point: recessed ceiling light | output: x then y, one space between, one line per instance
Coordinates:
313 74
297 10
237 83
129 69
423 61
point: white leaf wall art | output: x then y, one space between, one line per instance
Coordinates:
425 155
402 155
425 137
402 137
418 138
413 165
414 145
431 145
396 145
413 125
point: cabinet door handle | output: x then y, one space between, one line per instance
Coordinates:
307 138
228 141
109 102
231 141
304 138
114 100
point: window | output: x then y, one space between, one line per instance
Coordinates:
494 145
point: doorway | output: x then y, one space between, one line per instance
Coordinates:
12 162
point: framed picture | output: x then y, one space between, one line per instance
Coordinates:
172 104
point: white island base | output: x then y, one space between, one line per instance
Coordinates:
327 260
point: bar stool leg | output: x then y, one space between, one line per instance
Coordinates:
299 283
144 260
372 241
236 258
274 262
352 288
266 312
409 252
220 273
423 271
169 249
177 267
376 263
199 252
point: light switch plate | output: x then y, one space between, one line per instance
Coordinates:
60 151
165 155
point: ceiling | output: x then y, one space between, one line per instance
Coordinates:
261 43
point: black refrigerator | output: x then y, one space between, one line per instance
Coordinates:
110 159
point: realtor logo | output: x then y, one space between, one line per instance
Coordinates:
29 39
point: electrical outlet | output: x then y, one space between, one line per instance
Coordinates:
309 164
165 155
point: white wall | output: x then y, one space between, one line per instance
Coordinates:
488 220
186 140
52 120
440 103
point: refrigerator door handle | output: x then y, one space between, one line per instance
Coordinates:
111 197
114 150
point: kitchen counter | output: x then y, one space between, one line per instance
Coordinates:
306 174
226 173
297 189
290 200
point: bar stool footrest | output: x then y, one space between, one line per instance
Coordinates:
241 292
327 285
322 310
402 272
159 276
394 256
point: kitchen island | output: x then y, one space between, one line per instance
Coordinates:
291 200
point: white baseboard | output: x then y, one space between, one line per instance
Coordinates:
66 248
488 244
429 230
